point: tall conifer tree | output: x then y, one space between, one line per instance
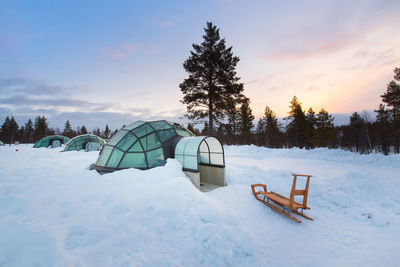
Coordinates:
212 88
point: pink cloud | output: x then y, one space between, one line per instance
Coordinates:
122 51
317 50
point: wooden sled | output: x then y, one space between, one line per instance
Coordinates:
289 206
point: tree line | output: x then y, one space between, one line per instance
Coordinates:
31 132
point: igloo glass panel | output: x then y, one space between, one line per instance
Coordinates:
179 150
105 153
204 158
182 132
217 159
78 144
160 125
115 158
155 157
46 142
214 144
150 142
136 147
136 160
204 147
180 159
192 146
134 125
116 137
143 130
166 134
190 163
127 141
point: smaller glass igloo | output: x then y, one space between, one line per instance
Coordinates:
141 145
52 140
89 142
1 143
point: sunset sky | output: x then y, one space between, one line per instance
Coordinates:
98 62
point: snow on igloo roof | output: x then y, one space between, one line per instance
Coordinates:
79 142
141 145
46 141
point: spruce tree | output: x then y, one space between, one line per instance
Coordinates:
68 132
212 88
106 133
83 130
13 130
357 133
324 134
5 131
260 132
272 132
384 133
29 131
311 125
297 127
191 128
392 99
205 129
21 135
246 119
41 128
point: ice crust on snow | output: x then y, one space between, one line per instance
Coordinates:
55 212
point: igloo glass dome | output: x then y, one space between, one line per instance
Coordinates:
141 145
52 140
83 142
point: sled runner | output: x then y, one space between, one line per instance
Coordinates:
289 206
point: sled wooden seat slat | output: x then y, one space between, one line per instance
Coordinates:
281 200
288 204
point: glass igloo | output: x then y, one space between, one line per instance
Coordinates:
142 145
52 140
89 142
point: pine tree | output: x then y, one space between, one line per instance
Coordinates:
260 132
83 130
13 130
357 133
191 128
246 119
97 132
106 133
205 130
212 88
392 99
384 135
232 126
41 128
325 133
21 135
297 127
272 132
29 131
311 125
68 132
5 131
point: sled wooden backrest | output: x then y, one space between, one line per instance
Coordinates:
295 192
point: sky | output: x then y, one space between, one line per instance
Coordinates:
114 62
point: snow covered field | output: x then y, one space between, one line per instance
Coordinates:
55 212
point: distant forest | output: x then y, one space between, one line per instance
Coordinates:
214 96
